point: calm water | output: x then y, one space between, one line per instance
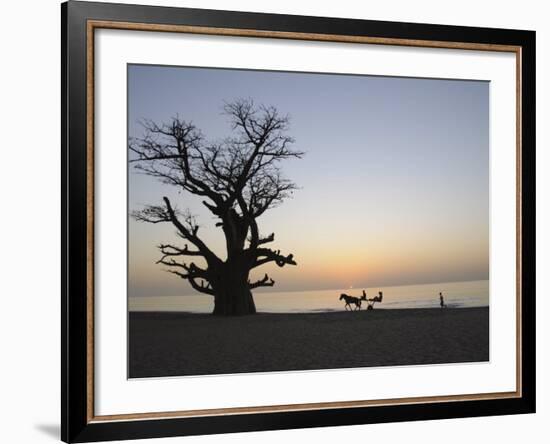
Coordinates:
457 294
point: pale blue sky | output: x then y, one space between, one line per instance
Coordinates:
394 187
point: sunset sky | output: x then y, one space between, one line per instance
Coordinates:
394 186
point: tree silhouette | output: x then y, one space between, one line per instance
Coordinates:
239 179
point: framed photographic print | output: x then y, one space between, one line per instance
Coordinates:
276 221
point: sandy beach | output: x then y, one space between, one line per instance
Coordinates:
177 344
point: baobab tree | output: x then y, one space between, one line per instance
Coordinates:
239 179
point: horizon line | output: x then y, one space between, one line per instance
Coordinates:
317 289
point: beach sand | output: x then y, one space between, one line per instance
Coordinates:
177 344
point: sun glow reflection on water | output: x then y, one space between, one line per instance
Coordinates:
456 294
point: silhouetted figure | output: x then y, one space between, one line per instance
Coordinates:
353 300
442 301
378 298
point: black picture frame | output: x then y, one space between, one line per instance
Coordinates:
76 423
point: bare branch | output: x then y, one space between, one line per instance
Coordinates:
206 289
202 288
267 239
171 250
153 214
266 281
188 230
265 255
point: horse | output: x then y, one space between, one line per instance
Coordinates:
353 300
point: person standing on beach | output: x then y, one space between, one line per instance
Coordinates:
441 301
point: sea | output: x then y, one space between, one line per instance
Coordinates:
456 295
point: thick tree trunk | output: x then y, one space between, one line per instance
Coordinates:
232 294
